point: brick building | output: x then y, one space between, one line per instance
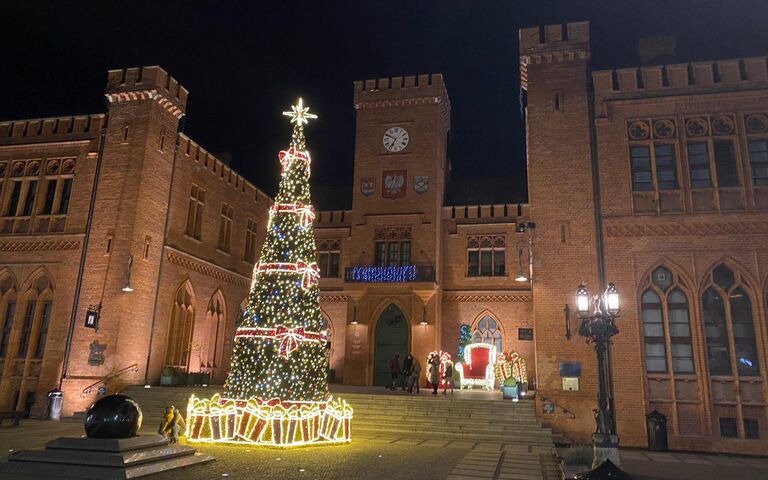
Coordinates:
653 178
122 217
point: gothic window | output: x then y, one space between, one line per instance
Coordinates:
195 212
642 179
180 328
698 163
645 159
328 256
250 241
215 319
225 227
486 256
725 164
392 246
729 320
487 331
666 325
8 300
758 158
42 332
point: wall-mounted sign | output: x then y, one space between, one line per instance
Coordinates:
570 369
571 384
92 317
548 407
525 334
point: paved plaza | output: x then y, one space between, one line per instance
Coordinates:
398 457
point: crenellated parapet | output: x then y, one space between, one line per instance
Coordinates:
503 212
677 79
147 83
332 218
53 129
191 151
553 44
404 91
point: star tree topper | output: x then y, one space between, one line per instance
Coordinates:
299 116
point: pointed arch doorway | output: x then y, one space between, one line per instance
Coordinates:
390 338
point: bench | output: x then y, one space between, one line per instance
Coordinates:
14 416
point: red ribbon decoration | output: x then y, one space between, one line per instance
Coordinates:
287 156
309 273
306 212
290 338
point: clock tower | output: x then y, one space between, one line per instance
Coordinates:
393 250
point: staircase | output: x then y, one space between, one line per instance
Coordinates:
459 417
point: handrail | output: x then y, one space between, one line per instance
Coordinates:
570 413
87 390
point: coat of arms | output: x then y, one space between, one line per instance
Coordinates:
367 186
393 183
420 183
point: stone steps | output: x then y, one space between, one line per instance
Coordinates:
443 417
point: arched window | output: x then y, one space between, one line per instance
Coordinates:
37 307
728 318
215 322
7 310
180 328
487 331
666 325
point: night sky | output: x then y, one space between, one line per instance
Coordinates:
245 62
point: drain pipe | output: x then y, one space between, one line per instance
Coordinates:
81 269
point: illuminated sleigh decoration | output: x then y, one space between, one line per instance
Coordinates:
511 364
274 423
479 367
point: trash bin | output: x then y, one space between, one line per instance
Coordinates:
657 431
53 404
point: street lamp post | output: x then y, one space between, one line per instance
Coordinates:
598 324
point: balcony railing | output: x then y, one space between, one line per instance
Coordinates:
395 274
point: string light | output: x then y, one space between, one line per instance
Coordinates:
276 392
404 273
510 364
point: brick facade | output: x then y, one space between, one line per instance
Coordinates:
400 249
141 170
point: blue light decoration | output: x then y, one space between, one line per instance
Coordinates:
405 273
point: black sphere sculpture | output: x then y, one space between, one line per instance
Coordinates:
114 416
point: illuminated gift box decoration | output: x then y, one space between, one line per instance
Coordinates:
510 364
275 423
479 367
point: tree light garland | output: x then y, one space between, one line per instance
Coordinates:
276 392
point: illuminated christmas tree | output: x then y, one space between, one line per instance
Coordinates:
276 392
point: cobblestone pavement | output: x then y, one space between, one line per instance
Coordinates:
688 466
368 457
503 462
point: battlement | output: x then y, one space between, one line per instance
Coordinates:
332 218
496 213
550 38
692 76
396 88
52 129
190 150
139 79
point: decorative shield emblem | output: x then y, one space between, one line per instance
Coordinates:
367 186
420 183
393 183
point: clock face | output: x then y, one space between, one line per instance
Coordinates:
395 139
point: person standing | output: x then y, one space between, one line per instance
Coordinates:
434 372
414 378
448 377
407 367
394 370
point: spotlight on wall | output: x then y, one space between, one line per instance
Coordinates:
127 288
